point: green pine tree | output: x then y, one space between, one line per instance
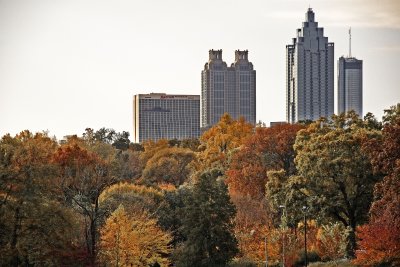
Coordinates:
207 224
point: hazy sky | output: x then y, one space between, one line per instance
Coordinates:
66 65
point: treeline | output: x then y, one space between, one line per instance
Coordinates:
235 196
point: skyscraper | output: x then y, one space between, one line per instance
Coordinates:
162 116
309 73
350 86
228 89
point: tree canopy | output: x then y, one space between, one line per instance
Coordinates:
379 240
208 224
267 149
133 240
337 173
221 138
227 198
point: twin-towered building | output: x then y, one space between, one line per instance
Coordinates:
232 89
228 89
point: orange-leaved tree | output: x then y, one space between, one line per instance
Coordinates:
254 230
84 173
267 149
378 244
133 240
379 240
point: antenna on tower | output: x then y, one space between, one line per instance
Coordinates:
350 42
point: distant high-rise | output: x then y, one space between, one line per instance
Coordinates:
162 116
350 86
309 73
228 89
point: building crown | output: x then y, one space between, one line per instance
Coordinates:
310 16
215 54
241 55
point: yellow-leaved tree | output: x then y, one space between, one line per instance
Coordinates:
133 241
221 139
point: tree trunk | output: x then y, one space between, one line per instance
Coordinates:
351 240
14 238
93 230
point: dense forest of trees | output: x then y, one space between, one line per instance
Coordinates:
235 196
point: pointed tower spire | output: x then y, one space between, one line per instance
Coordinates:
350 42
310 15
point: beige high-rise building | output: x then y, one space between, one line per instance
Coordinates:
228 89
161 116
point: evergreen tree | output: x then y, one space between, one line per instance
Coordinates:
208 224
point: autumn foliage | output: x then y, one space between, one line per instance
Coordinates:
134 240
378 243
236 195
379 240
267 149
221 139
331 241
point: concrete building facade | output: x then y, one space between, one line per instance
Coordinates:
228 89
309 73
160 116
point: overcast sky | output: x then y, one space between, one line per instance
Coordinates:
66 65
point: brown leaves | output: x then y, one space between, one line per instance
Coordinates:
74 156
267 149
379 240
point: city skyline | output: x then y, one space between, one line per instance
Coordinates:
68 65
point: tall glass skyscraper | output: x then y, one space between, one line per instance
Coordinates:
162 116
309 73
228 89
350 85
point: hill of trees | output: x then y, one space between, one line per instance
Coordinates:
235 196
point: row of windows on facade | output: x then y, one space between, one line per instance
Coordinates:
216 67
220 77
179 122
164 128
168 131
177 135
173 107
